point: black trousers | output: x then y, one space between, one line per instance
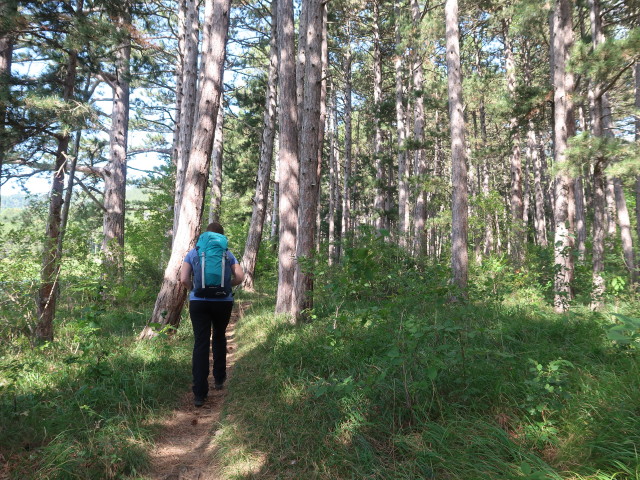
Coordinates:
205 317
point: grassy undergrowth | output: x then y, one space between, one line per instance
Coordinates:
87 405
391 381
388 380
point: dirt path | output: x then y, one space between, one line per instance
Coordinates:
185 448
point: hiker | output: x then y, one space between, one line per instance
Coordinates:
208 313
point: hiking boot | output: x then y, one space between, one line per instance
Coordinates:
198 401
218 386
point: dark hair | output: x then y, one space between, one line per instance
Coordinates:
215 227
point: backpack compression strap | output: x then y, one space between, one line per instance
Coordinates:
202 269
224 260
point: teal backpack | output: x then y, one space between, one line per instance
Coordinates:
211 270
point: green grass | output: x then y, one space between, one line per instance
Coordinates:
389 380
412 386
89 404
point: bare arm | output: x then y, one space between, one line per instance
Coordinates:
238 274
185 276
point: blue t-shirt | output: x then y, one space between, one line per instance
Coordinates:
191 256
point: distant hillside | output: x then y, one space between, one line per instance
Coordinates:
18 201
21 200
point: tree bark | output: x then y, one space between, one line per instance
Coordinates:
459 208
600 128
172 294
8 9
564 129
540 223
49 286
324 73
115 178
348 145
625 231
288 156
378 203
188 91
517 204
254 237
597 300
637 125
216 166
275 214
333 178
581 221
309 146
403 175
420 158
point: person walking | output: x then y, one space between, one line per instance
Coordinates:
209 314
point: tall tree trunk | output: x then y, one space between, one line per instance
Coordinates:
8 9
216 165
610 198
288 156
300 60
115 178
540 224
564 129
420 158
378 203
180 68
324 73
66 205
188 41
49 286
403 177
254 237
517 208
637 122
581 221
459 208
625 231
309 146
615 195
275 214
599 203
333 177
348 145
598 129
172 294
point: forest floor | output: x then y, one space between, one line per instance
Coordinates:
185 449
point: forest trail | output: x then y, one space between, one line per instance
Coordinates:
185 448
